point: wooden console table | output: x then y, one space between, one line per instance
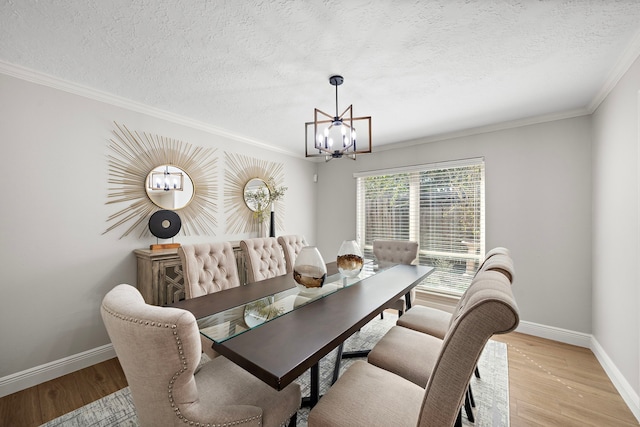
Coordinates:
161 279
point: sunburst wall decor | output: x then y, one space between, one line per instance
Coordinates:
134 156
238 171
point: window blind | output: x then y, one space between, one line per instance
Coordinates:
441 206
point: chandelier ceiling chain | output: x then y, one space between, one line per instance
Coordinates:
335 136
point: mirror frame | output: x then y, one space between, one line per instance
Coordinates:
132 157
239 171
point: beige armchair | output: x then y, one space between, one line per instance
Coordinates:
208 268
264 258
368 395
291 245
159 350
401 252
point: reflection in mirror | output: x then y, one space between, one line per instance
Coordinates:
252 191
169 187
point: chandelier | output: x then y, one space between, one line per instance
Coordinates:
165 180
334 136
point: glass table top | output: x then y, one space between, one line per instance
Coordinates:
227 324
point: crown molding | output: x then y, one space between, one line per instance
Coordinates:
487 129
628 57
108 98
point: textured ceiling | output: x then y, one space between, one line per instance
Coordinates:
257 69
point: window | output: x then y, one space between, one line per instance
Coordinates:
441 206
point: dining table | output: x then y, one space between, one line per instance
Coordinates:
277 330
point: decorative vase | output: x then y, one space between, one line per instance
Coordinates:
309 269
272 224
262 228
350 259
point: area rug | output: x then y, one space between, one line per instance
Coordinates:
491 391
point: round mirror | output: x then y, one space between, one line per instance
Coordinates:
256 194
169 187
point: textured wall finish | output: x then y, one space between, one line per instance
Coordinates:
258 68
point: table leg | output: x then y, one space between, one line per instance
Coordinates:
336 368
314 385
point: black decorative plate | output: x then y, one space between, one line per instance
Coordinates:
165 224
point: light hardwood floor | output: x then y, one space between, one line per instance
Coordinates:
550 384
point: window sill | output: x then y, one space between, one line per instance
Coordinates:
436 300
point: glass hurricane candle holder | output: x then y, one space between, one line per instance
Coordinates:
309 269
350 259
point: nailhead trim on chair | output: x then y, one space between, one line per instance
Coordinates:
177 374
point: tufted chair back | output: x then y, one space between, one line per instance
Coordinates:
291 244
208 268
264 258
500 262
498 250
157 347
399 251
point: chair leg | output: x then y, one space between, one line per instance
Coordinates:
293 420
471 399
459 419
477 372
467 408
381 315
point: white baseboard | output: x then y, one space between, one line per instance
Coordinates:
556 334
39 374
627 393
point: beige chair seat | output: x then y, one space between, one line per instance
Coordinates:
427 320
397 351
231 390
368 396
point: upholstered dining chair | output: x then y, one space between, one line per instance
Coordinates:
436 322
160 352
401 252
208 268
367 395
291 245
264 258
425 328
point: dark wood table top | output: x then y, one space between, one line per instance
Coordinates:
229 298
282 349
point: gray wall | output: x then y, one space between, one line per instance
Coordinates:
538 204
56 264
616 298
